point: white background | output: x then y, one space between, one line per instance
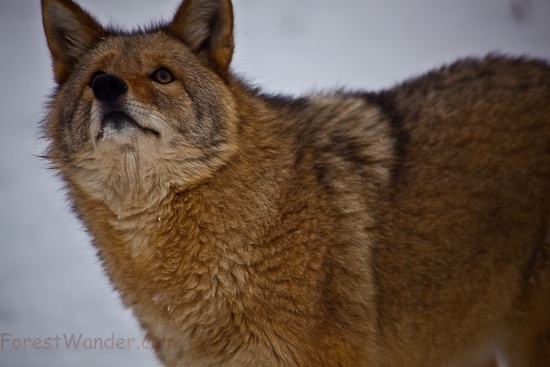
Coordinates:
51 283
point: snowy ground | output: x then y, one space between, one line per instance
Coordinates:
52 287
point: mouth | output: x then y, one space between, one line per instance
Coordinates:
119 123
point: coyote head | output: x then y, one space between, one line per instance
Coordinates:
139 114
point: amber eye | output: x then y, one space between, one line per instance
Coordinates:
94 77
162 75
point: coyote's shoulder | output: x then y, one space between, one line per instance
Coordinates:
407 227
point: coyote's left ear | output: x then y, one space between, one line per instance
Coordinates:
206 26
70 31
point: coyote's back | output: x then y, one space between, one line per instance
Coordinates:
408 227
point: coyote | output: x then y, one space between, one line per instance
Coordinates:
402 228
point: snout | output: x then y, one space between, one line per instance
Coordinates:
116 116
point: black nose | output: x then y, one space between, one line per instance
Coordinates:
109 87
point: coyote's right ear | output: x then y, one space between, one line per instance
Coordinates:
70 31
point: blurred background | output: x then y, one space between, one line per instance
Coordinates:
53 291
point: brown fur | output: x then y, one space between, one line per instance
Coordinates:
405 228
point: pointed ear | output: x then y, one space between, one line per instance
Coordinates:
206 26
70 31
